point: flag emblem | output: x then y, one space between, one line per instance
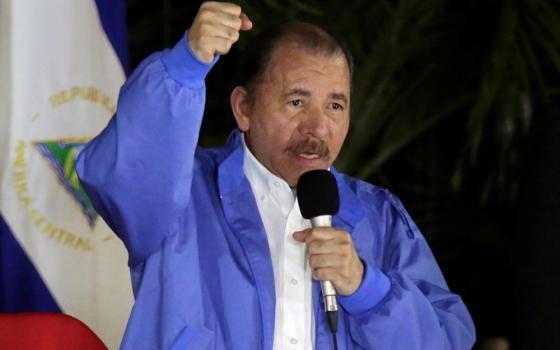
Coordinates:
61 155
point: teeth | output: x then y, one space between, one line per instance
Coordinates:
309 155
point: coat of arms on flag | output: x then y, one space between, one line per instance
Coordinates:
62 156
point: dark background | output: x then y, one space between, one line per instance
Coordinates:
455 109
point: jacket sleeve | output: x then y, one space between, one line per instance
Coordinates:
138 171
418 311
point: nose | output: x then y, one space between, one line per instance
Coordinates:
314 123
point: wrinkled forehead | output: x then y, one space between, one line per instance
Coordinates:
293 59
292 52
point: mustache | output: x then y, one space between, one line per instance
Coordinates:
309 145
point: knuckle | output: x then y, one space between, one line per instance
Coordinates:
236 22
203 14
317 246
224 46
208 4
319 273
204 27
313 260
236 9
234 35
346 242
309 239
203 41
311 250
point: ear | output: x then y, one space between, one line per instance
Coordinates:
240 107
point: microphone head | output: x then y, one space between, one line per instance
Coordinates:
317 194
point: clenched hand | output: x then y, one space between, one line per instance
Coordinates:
216 28
332 257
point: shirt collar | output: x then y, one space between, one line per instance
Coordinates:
231 175
265 183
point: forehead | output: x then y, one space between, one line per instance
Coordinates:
291 63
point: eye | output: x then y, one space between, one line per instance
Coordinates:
336 106
296 103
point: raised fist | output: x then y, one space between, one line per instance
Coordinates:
216 28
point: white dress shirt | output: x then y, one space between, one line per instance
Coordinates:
294 326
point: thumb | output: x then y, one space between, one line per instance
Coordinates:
300 235
246 23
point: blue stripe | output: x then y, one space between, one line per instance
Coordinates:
113 18
21 287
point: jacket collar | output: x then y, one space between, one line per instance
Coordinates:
242 215
231 176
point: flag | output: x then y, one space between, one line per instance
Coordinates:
61 65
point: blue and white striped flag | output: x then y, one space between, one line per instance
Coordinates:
61 65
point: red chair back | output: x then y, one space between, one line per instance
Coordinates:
45 331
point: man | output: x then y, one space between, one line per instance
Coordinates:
220 256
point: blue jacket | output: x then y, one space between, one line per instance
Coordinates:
198 253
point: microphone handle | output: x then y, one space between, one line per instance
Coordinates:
329 293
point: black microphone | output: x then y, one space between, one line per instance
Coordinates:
318 200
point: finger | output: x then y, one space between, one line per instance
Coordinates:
322 247
222 46
301 235
213 45
339 244
215 17
210 28
323 234
222 18
326 274
221 6
246 23
226 33
317 261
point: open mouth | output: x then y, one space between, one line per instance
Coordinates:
308 155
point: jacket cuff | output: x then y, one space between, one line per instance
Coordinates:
183 66
373 289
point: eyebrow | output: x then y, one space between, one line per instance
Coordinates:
338 96
302 92
298 92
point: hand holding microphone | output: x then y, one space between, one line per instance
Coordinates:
332 255
331 252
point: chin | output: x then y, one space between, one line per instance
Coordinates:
303 171
294 172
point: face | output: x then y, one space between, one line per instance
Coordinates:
300 114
